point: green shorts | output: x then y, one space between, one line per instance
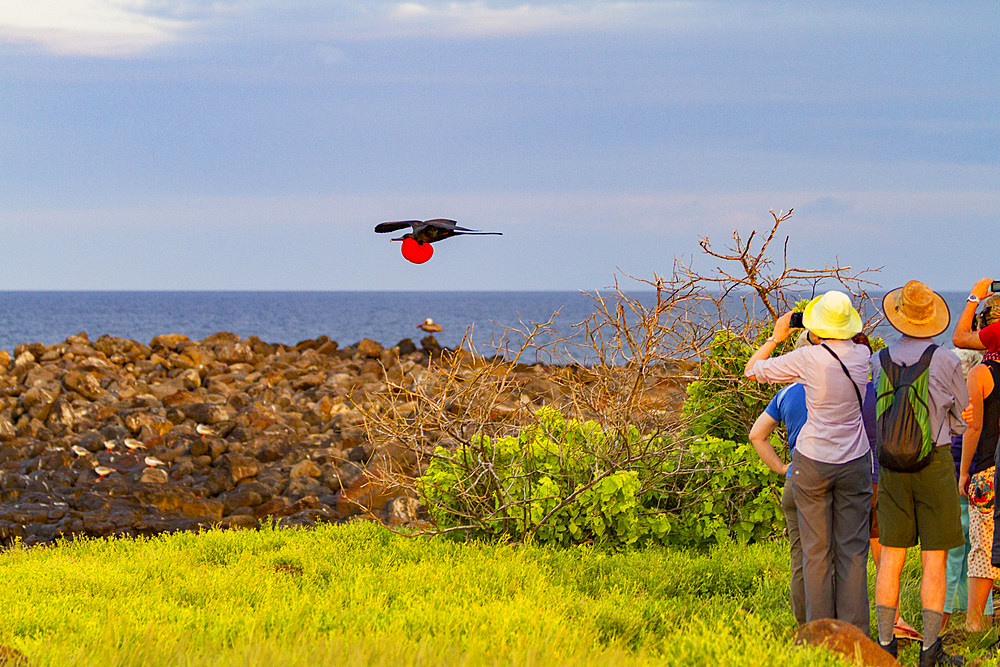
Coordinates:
922 504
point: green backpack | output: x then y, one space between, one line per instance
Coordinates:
902 413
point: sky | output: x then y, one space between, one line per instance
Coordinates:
254 144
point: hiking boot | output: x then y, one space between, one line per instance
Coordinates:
936 655
892 648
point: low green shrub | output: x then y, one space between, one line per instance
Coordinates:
722 403
555 483
735 497
549 484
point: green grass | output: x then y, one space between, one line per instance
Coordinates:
360 595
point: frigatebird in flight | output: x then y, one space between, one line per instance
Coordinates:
416 243
427 231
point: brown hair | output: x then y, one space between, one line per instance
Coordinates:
990 311
861 339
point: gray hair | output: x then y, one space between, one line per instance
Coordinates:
969 359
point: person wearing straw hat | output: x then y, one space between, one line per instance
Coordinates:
831 464
922 505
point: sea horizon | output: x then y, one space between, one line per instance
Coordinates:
291 316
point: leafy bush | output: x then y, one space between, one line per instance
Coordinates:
723 403
735 498
554 483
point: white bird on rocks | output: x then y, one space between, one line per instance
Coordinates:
132 444
79 451
109 445
103 471
429 325
152 461
204 430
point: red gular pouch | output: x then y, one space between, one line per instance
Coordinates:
418 253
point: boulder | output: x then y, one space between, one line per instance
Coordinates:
430 345
154 476
240 467
85 384
305 468
845 639
168 341
369 348
207 413
235 353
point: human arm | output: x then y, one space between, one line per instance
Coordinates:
964 337
980 384
760 438
782 329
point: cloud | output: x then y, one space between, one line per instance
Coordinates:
128 28
482 19
107 28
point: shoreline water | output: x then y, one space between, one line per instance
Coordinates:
287 317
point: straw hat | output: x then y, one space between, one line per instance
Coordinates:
916 310
832 316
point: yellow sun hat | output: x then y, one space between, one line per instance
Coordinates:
831 315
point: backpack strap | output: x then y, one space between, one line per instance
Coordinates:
857 392
925 359
922 364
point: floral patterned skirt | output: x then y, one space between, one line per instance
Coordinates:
981 499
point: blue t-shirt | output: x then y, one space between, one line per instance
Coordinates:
789 406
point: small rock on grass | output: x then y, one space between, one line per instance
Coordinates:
845 639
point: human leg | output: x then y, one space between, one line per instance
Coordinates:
939 526
932 580
887 590
981 572
852 499
901 627
897 532
812 493
979 591
932 594
797 590
956 571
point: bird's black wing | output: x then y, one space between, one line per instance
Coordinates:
386 227
451 226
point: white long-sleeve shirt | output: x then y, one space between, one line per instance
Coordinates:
834 431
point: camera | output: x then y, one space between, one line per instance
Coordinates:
995 286
796 322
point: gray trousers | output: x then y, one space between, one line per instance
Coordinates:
833 503
796 587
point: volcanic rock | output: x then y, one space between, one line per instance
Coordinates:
235 430
846 639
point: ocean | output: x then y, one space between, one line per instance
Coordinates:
289 317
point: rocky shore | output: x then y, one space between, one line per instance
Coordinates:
113 436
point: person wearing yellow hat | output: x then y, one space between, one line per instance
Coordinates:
832 463
918 502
